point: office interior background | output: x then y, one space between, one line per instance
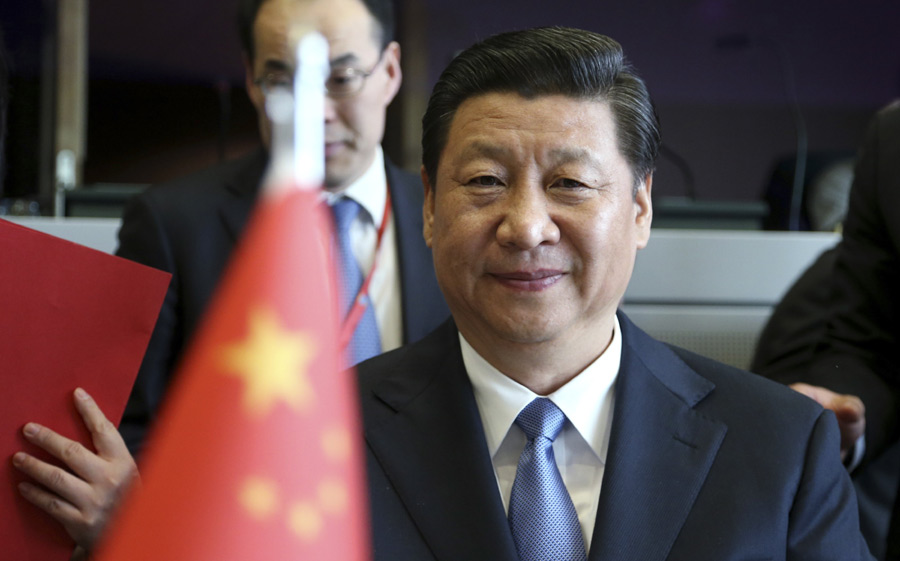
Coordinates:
164 86
739 86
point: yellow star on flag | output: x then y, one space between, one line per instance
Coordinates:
273 364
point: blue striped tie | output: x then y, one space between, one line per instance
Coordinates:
542 517
366 341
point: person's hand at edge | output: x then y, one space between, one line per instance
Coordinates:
84 500
849 410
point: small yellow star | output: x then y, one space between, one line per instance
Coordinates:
305 520
259 497
273 363
333 496
336 444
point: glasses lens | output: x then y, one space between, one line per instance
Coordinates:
344 81
271 82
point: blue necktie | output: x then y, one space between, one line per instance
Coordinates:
366 341
542 517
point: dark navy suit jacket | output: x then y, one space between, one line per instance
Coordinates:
706 462
190 226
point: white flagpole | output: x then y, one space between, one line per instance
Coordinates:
297 151
309 110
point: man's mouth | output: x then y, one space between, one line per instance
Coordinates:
333 147
536 280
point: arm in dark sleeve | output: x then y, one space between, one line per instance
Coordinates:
860 351
788 341
143 239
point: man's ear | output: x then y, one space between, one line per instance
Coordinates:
643 207
427 208
394 74
253 91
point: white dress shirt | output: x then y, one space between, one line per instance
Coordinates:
580 449
370 191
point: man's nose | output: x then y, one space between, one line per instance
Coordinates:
527 220
330 108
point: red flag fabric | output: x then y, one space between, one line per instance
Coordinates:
257 453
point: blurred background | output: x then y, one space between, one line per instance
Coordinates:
741 88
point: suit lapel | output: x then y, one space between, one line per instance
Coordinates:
430 445
244 185
659 455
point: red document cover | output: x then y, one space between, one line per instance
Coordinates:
70 317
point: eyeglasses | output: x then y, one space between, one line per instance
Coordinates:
343 81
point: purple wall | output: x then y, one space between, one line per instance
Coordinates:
722 110
844 52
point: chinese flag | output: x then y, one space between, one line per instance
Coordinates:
257 454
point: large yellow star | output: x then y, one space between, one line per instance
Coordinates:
273 364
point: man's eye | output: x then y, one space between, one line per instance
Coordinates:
340 79
568 183
485 181
343 81
277 81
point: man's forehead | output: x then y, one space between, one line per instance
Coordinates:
479 147
347 25
494 104
553 130
499 112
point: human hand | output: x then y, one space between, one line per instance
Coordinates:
84 500
849 410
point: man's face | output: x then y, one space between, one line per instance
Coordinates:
354 125
532 220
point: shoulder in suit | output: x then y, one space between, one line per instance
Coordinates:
705 462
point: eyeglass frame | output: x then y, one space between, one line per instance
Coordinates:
349 70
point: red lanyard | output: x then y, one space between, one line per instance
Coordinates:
359 304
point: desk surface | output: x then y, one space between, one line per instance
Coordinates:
722 267
96 233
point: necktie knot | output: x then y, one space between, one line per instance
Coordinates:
541 417
345 211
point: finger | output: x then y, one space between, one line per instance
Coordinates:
60 483
852 427
107 440
809 391
79 459
849 408
839 403
60 509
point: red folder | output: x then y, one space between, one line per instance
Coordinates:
70 316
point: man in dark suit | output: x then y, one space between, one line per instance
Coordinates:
539 424
539 149
190 226
855 348
861 348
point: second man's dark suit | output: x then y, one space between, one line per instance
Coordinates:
786 345
189 227
859 352
705 463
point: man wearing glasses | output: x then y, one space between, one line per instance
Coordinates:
189 227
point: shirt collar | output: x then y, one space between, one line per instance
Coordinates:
370 190
586 400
